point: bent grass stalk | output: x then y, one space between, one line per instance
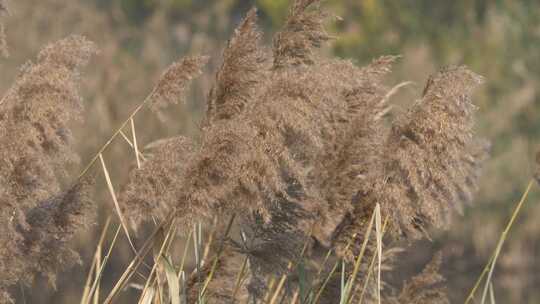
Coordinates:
135 147
128 141
114 135
490 266
358 262
162 249
137 260
97 280
115 200
87 285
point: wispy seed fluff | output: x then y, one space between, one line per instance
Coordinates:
35 146
301 151
148 192
302 33
240 74
427 170
172 85
427 166
53 223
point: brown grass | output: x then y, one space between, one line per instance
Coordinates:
38 219
300 152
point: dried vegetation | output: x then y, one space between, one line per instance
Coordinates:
296 146
37 218
299 148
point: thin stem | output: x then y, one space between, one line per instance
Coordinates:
116 204
137 260
94 286
94 260
115 134
493 260
135 143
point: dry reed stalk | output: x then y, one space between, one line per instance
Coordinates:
93 266
242 71
283 147
488 269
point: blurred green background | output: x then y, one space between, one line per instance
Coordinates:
499 39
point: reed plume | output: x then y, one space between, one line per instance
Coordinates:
148 192
172 85
36 145
301 152
150 189
428 173
303 32
428 164
241 72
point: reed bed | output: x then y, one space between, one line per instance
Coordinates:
304 185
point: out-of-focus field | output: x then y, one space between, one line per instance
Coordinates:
497 39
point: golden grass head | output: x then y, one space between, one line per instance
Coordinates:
303 32
172 85
241 72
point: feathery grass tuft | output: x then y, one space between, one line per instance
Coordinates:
173 83
299 152
36 147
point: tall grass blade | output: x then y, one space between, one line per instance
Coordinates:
371 266
269 291
493 260
97 274
360 257
332 271
184 255
239 278
491 293
379 249
135 147
149 296
137 260
183 290
172 281
115 200
162 250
